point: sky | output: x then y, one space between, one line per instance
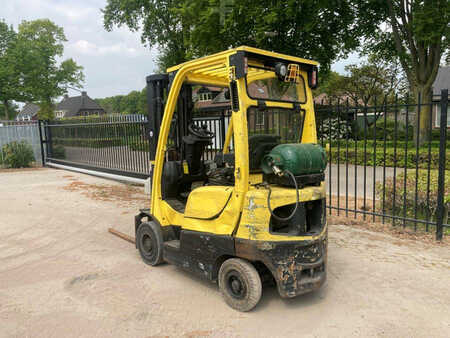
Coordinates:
114 62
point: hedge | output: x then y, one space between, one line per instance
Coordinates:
89 142
391 160
17 155
381 144
423 207
139 146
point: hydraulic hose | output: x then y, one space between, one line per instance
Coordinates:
283 219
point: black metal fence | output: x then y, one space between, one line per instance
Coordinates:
377 171
218 125
117 145
382 167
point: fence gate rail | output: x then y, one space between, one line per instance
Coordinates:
111 145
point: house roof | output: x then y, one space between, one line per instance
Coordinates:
442 81
323 98
29 109
72 105
218 103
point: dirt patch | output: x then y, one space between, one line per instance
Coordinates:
69 177
375 223
83 278
387 228
119 193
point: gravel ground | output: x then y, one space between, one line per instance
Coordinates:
63 275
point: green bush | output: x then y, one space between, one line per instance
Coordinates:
17 155
378 129
139 146
380 144
89 142
59 152
394 158
407 195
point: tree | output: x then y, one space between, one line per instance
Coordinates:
365 83
12 110
134 102
192 28
39 45
159 22
416 33
10 84
329 84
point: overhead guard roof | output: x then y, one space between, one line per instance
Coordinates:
217 73
250 50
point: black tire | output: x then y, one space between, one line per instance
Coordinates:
149 242
240 284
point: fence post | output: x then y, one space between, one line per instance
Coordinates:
441 178
41 140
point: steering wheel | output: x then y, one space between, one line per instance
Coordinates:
201 132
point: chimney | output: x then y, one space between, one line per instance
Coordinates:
83 98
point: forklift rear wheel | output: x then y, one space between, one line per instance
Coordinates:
240 284
150 243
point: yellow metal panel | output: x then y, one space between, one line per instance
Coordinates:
277 55
226 146
255 218
213 81
255 179
207 202
309 125
229 52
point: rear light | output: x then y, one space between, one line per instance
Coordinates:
245 65
312 78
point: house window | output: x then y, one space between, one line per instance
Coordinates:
438 115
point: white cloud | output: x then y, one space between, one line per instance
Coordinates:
89 48
339 65
114 62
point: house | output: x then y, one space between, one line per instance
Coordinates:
28 112
209 100
442 82
81 105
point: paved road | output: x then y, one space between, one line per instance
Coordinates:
339 179
63 275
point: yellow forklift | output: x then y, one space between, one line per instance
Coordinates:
252 211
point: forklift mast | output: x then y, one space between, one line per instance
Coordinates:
158 86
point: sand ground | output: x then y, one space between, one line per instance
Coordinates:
63 275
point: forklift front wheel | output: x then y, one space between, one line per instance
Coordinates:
240 284
150 243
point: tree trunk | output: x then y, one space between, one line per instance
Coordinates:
423 117
5 104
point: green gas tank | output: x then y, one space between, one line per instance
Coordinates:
298 158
